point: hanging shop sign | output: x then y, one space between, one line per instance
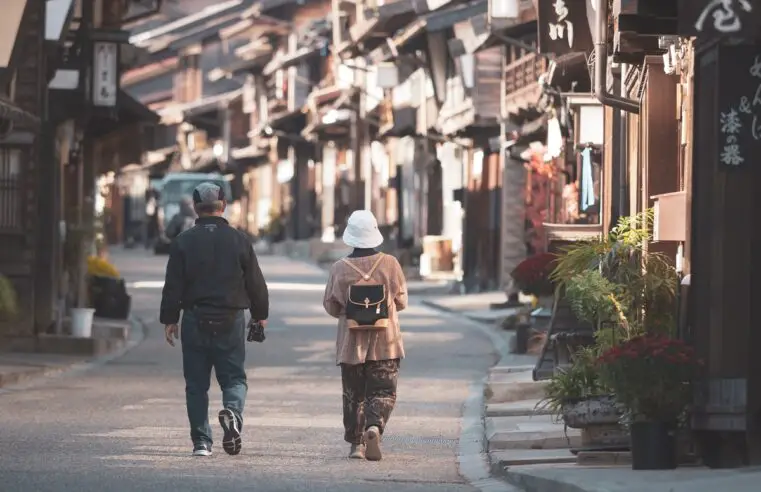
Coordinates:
563 27
712 18
105 84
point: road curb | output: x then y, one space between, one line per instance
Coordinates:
136 337
472 455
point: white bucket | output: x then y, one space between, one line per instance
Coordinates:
81 322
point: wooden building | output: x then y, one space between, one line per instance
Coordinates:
59 131
677 86
202 121
281 59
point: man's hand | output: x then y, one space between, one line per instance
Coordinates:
170 332
263 322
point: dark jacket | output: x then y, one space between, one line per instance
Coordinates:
213 266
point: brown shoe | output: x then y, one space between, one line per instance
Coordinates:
357 452
372 444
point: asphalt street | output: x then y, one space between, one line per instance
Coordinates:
122 426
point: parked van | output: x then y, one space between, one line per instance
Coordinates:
173 188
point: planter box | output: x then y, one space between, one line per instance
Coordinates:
601 410
598 418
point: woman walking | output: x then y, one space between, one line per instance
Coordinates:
365 292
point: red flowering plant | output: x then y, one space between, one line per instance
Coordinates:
532 275
651 376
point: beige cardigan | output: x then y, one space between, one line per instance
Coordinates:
355 346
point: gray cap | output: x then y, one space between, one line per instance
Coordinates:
208 193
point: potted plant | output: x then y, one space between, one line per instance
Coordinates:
106 289
617 280
533 275
8 299
570 385
651 376
609 282
578 396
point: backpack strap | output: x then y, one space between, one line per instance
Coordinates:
365 276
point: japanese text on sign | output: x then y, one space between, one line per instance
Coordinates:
731 121
725 18
563 28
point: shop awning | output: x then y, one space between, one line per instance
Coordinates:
175 114
13 113
311 40
129 111
388 18
254 58
439 20
188 24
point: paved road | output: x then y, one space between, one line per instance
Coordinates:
122 426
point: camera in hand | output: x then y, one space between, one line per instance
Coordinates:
255 331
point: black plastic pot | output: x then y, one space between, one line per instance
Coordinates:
109 297
654 446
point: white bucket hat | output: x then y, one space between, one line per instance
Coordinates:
362 230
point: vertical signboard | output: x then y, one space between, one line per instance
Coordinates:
563 27
739 105
105 84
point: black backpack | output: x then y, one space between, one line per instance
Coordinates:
367 305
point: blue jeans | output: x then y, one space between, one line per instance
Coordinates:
226 353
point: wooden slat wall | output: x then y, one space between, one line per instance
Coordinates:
487 82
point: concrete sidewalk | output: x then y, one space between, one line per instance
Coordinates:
574 478
531 452
476 307
517 432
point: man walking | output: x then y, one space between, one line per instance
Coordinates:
213 275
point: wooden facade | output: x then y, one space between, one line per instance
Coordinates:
24 253
38 162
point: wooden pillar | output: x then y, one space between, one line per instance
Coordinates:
726 265
660 141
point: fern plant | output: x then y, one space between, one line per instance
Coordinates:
616 279
573 384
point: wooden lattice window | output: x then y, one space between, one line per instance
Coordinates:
11 212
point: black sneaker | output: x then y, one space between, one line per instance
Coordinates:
202 449
231 441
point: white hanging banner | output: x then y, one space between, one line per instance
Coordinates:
105 74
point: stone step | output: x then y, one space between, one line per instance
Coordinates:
536 432
518 457
510 369
521 408
534 440
603 458
508 392
507 386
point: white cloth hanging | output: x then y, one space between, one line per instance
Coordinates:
554 139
